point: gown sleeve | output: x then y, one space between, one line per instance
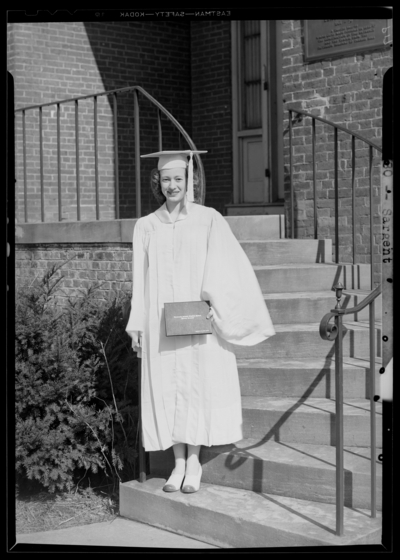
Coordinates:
230 284
135 324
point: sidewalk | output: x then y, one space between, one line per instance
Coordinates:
118 532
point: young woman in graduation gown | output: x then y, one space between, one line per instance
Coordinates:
190 386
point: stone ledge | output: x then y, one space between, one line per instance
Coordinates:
113 231
121 231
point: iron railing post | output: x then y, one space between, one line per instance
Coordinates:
353 192
24 162
137 155
336 182
96 159
41 164
314 181
339 412
291 178
59 164
78 192
371 215
116 155
339 425
372 404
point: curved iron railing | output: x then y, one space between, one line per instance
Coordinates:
354 136
334 332
160 110
136 90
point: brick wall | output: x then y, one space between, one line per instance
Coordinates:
347 91
156 56
55 61
212 107
109 264
49 62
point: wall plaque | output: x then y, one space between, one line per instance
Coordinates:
328 38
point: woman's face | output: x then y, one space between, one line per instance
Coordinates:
173 184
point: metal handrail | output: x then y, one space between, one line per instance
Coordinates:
335 332
75 100
94 96
359 307
372 146
338 126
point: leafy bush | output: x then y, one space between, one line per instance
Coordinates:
75 386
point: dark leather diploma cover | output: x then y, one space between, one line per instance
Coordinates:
186 318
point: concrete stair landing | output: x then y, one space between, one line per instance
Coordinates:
298 470
236 518
277 486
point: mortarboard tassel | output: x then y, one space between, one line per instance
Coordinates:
190 190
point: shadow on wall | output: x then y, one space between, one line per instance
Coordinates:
156 56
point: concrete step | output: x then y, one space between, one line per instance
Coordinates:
303 340
288 251
236 518
304 277
310 421
303 378
310 307
257 227
295 470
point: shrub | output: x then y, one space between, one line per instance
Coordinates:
75 386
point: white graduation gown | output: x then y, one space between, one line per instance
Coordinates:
190 384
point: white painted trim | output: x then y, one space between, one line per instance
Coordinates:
237 133
265 105
235 112
251 132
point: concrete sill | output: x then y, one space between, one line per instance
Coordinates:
121 231
113 231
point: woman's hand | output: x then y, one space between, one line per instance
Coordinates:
136 341
138 347
211 314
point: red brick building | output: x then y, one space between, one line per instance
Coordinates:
228 83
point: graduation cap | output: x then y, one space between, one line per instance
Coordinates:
171 159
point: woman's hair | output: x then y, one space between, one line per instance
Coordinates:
156 186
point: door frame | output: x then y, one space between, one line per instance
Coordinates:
272 125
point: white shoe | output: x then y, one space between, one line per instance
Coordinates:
192 482
174 482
